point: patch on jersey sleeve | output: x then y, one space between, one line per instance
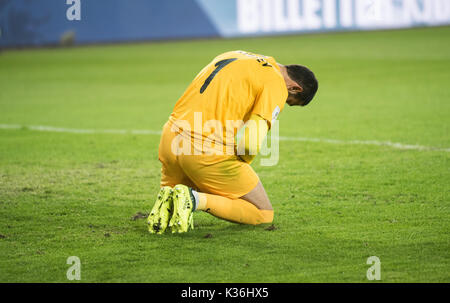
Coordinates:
275 113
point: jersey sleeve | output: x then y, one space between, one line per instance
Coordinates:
270 100
250 143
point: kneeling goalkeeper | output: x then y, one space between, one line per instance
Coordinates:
237 89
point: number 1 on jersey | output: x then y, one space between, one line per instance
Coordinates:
219 65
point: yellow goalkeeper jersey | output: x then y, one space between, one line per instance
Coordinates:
224 95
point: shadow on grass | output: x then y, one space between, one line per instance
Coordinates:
209 230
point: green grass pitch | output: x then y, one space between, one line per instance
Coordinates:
74 194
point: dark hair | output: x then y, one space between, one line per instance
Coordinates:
306 79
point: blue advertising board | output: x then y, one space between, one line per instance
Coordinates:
44 22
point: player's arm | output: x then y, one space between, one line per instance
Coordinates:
249 145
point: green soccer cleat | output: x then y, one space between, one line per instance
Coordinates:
162 210
183 208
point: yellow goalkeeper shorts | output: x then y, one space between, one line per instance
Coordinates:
224 175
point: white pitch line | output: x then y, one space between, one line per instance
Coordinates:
43 128
368 142
281 138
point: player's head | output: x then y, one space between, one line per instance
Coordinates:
303 85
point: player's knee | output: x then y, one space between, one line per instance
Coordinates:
261 203
266 216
